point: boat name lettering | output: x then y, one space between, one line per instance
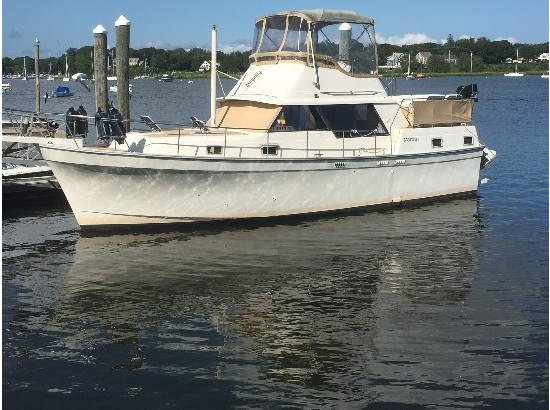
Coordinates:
339 165
400 161
411 139
254 77
383 162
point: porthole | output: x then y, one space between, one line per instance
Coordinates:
214 149
468 140
437 142
270 149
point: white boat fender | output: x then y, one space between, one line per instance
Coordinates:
488 156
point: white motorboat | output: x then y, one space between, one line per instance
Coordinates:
166 78
309 128
114 89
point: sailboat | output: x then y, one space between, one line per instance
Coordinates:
25 77
66 78
144 72
409 75
50 76
111 64
515 73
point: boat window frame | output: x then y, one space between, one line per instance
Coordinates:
277 47
214 149
351 132
270 150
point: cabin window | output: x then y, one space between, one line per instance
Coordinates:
353 49
257 35
274 33
298 118
437 142
363 119
296 36
469 140
270 150
214 149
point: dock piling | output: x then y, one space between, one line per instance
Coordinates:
122 26
100 67
37 75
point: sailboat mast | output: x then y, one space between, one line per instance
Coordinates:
213 78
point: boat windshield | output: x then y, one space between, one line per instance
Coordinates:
350 47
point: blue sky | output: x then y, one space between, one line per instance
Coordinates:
60 24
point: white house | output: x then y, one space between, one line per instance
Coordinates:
394 61
543 56
205 66
451 59
423 57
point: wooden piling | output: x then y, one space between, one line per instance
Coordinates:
37 75
122 27
100 67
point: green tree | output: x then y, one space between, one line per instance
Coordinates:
450 40
437 64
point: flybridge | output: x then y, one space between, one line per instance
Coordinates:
341 40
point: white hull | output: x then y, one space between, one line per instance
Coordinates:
144 189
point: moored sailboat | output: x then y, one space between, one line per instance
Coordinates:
515 73
409 75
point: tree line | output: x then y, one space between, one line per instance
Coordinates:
487 56
159 61
482 54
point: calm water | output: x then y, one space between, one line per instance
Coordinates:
437 306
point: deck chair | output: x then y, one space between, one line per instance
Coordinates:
199 124
150 123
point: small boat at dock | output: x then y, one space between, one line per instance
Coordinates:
62 91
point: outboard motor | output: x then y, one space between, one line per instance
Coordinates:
102 125
82 122
117 125
70 120
468 91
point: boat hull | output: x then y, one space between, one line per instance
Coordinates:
106 187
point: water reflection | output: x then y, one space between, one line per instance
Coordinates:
310 302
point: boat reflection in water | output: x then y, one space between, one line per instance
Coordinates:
362 306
